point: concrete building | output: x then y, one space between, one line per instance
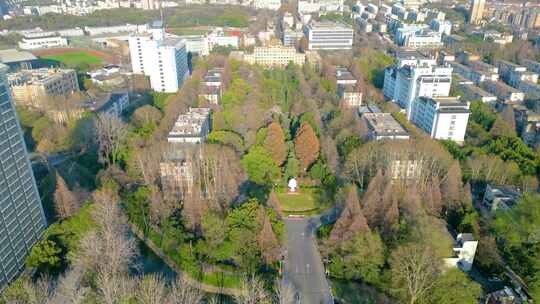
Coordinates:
161 58
42 42
527 125
499 198
350 95
443 27
329 36
320 7
218 37
291 38
196 44
476 11
504 92
176 168
212 86
151 4
384 126
530 89
532 66
464 252
474 93
418 36
275 56
441 117
416 75
191 127
17 60
23 220
267 4
34 87
507 69
476 76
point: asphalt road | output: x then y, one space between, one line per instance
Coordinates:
303 264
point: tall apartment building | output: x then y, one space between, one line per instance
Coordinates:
33 87
161 58
416 75
275 55
476 12
22 220
329 36
441 117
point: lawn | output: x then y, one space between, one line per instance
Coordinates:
307 199
74 59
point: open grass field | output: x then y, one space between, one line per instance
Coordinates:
73 59
306 200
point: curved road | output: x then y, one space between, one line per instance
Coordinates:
303 264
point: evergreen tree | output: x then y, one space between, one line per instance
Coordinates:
351 222
267 239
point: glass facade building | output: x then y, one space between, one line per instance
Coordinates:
22 220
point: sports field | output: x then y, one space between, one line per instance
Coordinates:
73 59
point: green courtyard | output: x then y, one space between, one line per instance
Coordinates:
73 59
306 200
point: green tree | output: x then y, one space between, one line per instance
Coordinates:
359 259
260 166
292 168
227 138
455 287
45 256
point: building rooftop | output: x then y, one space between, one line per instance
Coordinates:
369 109
384 124
13 55
344 74
190 123
37 76
213 75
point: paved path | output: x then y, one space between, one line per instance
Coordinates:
303 264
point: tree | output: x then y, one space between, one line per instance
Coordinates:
455 287
414 270
65 202
260 166
360 258
351 222
44 256
270 248
306 145
502 128
274 143
253 292
451 187
182 293
111 132
146 115
292 168
151 290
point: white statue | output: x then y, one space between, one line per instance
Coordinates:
293 185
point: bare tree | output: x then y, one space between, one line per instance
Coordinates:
253 292
151 290
111 132
284 292
183 293
65 202
69 288
414 271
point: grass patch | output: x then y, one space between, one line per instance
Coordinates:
73 59
308 201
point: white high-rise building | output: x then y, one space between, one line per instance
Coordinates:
416 75
329 36
441 117
161 58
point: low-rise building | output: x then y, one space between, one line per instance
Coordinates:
291 38
530 89
176 169
34 87
527 125
532 66
441 117
504 92
275 55
320 7
42 42
499 198
418 36
17 60
384 126
267 4
212 86
464 252
476 76
350 95
443 27
191 127
329 36
473 93
507 295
